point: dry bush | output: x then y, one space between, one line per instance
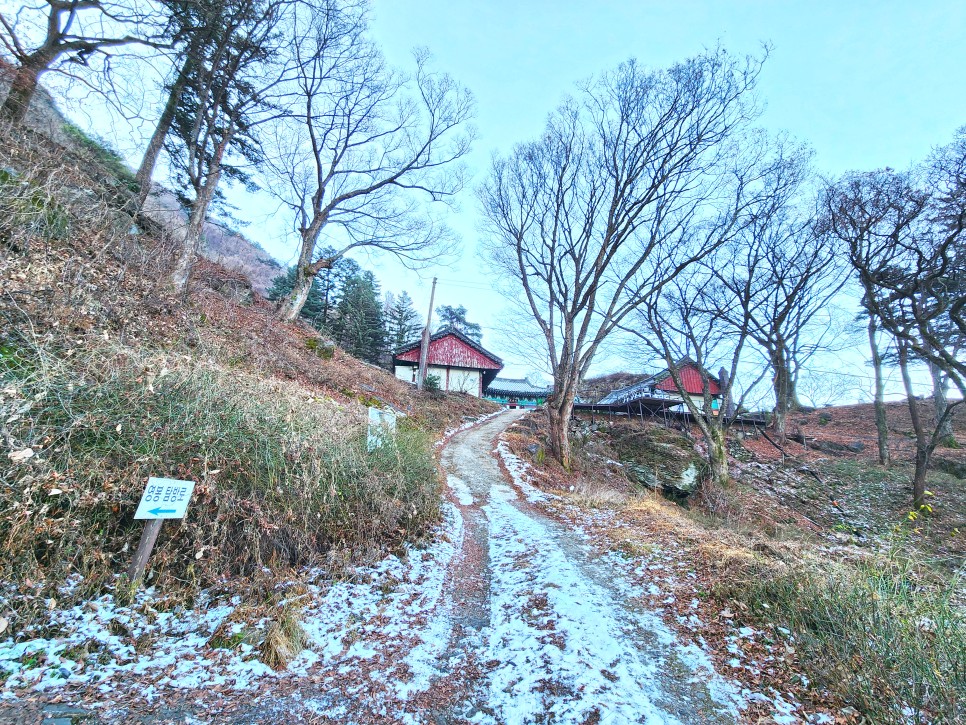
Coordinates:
284 639
283 476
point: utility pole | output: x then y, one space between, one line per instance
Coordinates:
424 349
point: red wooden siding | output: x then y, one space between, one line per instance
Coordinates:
691 378
450 350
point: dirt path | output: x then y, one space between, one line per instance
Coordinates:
507 616
561 636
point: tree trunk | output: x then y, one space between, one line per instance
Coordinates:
290 307
194 233
923 448
150 159
21 92
784 387
881 425
717 455
559 410
944 423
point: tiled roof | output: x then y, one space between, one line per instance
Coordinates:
516 386
648 386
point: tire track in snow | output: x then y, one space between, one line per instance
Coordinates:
565 642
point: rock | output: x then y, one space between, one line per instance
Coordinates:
325 349
681 485
236 289
828 446
947 465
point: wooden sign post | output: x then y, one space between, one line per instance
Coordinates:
164 498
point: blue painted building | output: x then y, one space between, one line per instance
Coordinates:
517 393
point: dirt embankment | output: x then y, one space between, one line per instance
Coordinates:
106 379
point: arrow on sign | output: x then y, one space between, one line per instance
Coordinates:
158 512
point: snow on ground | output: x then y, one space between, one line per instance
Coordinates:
99 643
380 626
519 471
566 646
460 490
349 626
574 634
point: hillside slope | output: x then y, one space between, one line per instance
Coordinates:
105 380
231 250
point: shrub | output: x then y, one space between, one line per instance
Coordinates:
28 211
283 480
432 384
888 644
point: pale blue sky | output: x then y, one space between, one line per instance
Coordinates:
867 84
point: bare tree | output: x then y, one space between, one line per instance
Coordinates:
684 321
903 236
364 149
60 34
785 277
716 306
588 217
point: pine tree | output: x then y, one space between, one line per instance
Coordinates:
450 316
332 281
359 327
327 288
314 310
402 321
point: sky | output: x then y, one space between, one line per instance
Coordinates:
866 84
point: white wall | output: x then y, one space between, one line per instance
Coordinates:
460 379
464 381
405 372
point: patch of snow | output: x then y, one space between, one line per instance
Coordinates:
392 604
517 468
460 490
561 643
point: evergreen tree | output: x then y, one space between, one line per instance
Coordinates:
402 321
332 281
450 316
327 287
314 310
359 327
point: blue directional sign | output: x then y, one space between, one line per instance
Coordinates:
164 498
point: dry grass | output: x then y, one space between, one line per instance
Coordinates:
284 477
883 634
284 639
592 494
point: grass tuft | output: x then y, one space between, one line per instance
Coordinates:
283 477
284 639
889 643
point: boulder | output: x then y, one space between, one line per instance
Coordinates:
948 465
